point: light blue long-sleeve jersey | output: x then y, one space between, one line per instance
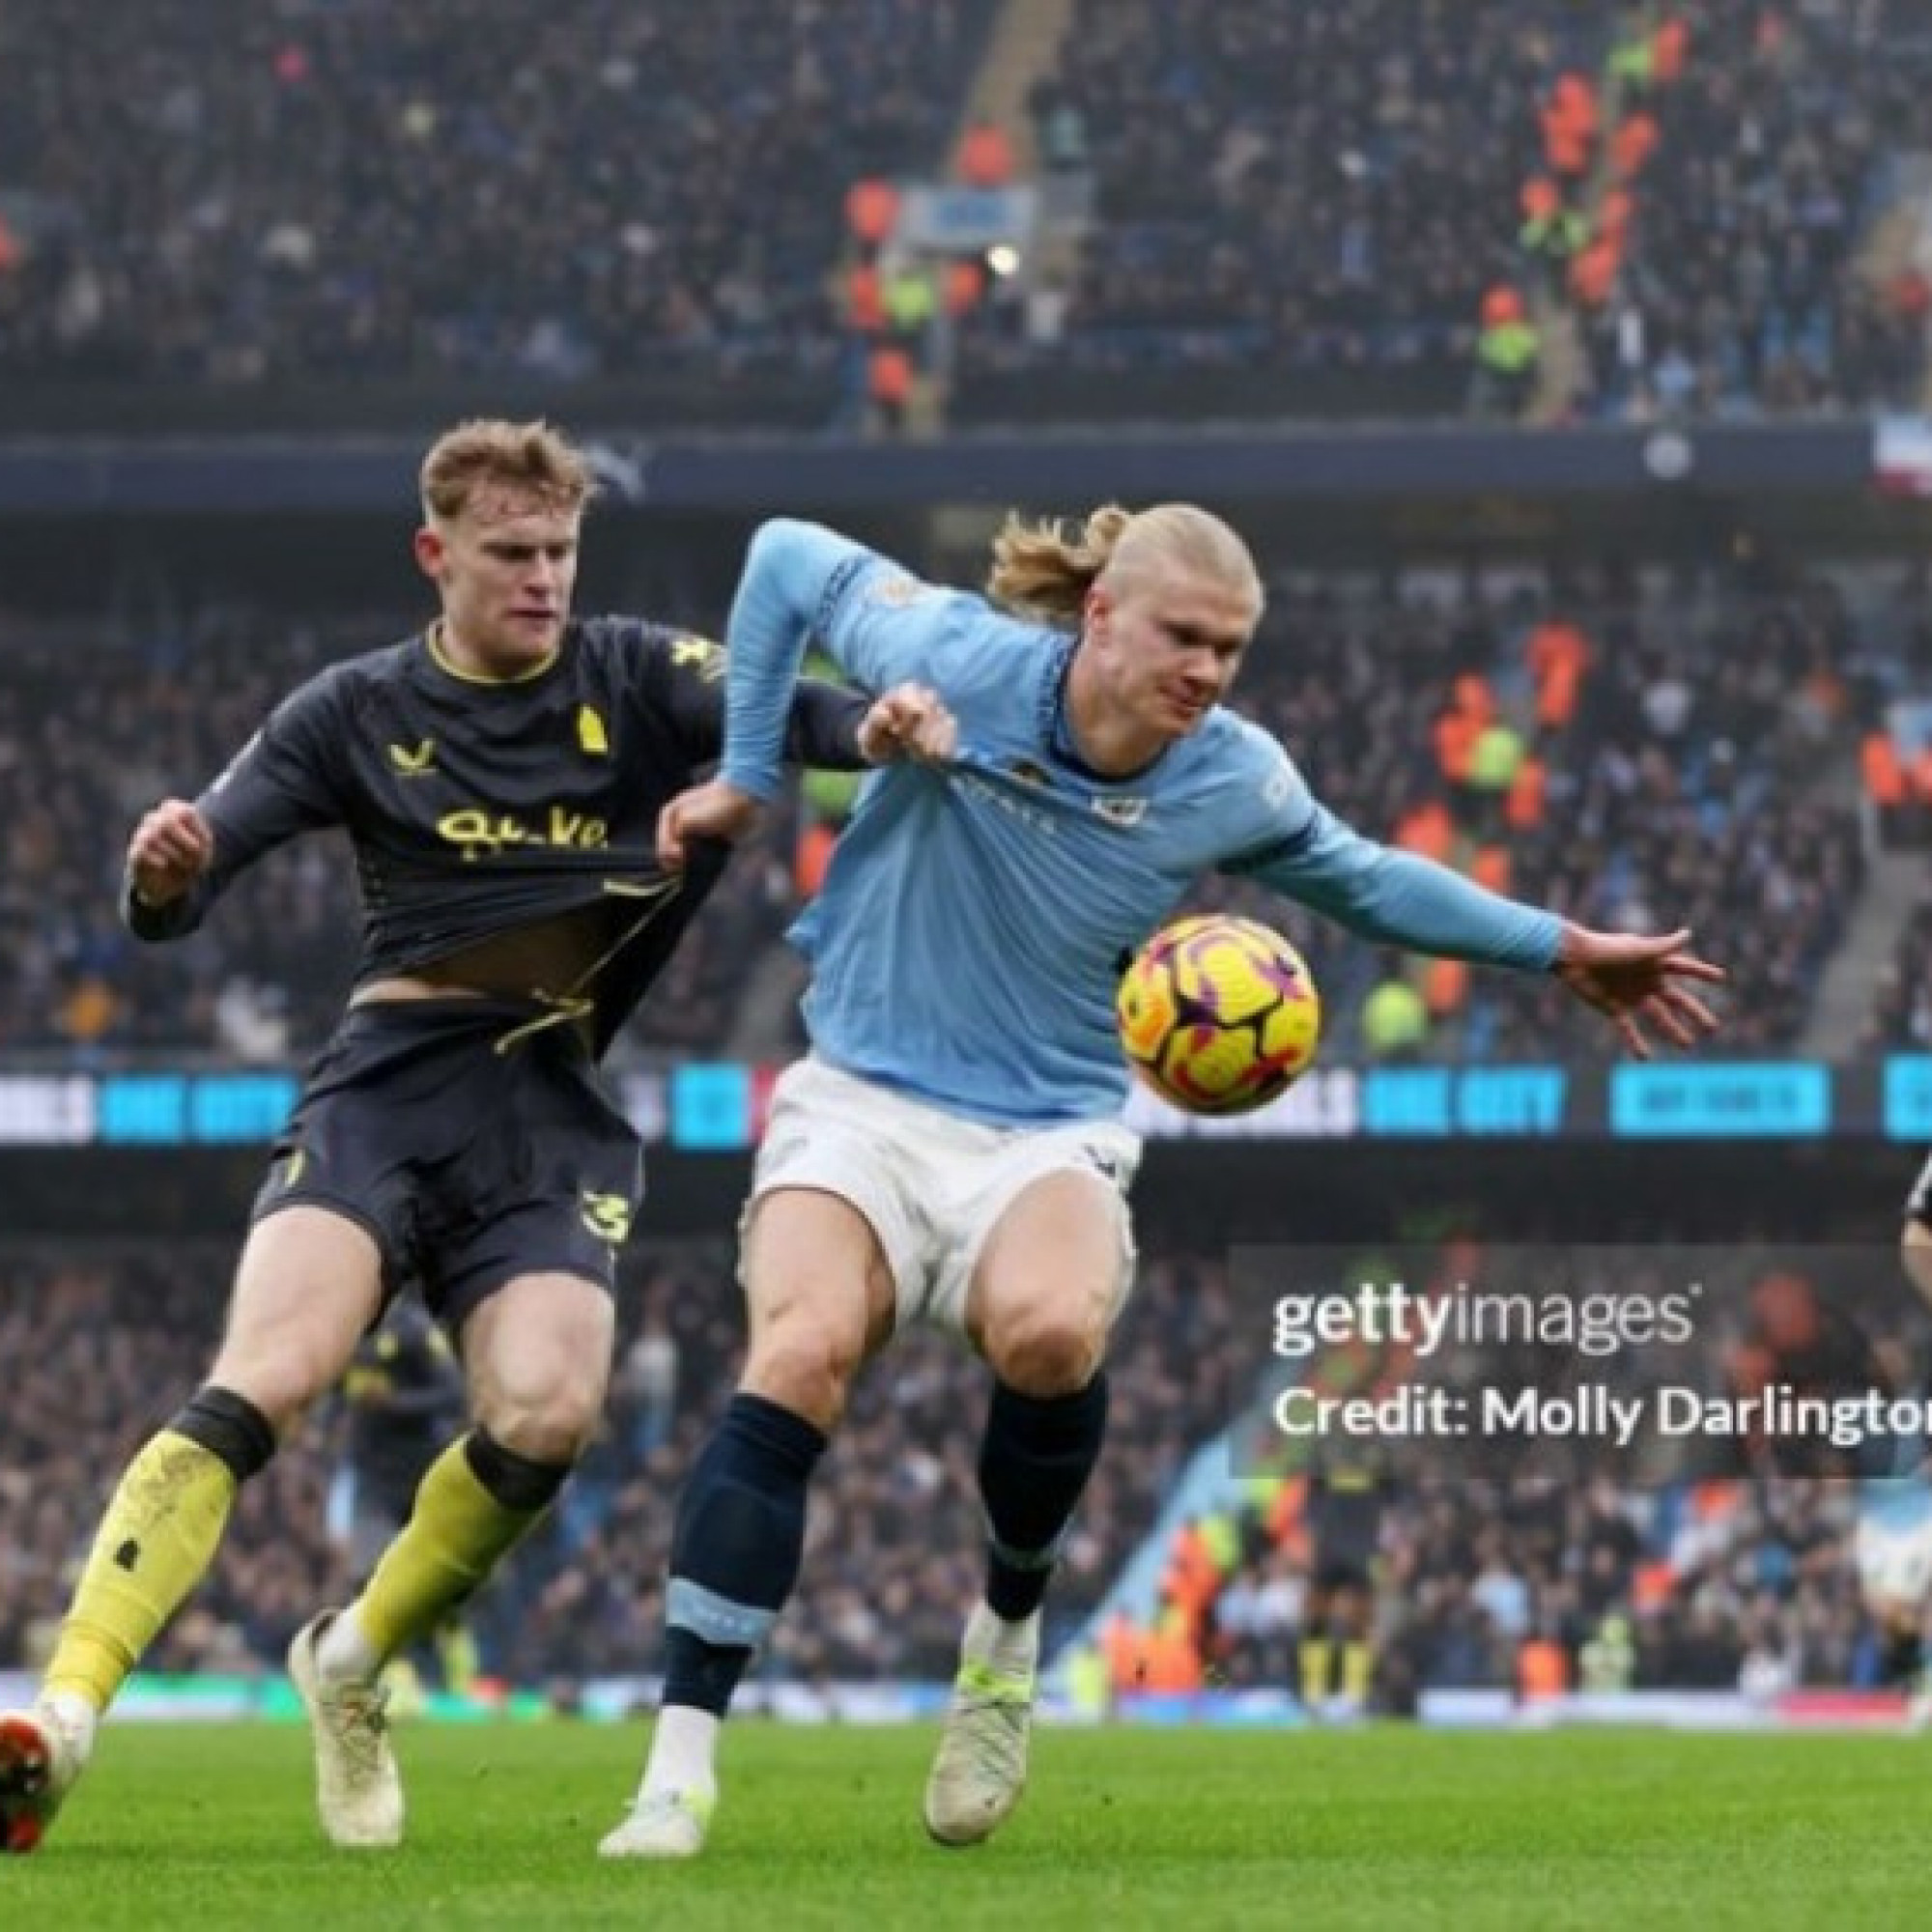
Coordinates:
972 927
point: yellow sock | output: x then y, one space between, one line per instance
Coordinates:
1316 1659
153 1546
456 1652
456 1534
1357 1669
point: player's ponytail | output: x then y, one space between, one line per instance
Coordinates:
1040 571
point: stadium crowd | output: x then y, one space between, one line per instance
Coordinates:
246 195
1766 161
1715 1560
1346 205
1623 750
1311 197
1606 1581
894 1556
1406 207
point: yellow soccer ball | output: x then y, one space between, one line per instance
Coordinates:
1219 1015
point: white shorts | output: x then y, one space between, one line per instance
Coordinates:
932 1184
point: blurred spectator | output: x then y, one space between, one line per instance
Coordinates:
244 196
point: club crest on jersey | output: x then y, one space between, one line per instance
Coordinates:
896 589
1023 771
1124 813
593 740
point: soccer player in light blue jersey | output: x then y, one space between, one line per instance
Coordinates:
951 1150
1891 1546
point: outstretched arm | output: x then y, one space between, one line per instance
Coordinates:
1402 899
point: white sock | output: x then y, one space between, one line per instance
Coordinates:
990 1638
343 1650
75 1719
684 1750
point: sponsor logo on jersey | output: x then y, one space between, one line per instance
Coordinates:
479 833
413 762
1125 812
592 739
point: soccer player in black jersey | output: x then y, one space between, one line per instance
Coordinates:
500 776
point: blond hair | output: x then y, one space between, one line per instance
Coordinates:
527 457
1039 570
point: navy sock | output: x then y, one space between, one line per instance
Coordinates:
1902 1658
1035 1459
735 1548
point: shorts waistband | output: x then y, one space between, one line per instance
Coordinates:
496 1014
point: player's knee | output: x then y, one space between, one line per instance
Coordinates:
804 1368
547 1417
1045 1352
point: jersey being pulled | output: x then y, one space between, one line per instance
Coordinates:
476 807
969 938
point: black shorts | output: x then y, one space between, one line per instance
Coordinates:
470 1162
1342 1573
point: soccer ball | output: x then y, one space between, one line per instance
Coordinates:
1219 1015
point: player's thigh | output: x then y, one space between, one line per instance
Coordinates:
1050 1280
538 1352
820 1295
309 1283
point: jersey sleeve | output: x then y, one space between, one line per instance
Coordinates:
880 625
822 723
1397 898
280 783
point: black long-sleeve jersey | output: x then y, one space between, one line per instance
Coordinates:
478 806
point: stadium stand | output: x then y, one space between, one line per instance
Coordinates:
1408 207
897 1529
1605 746
1748 166
267 201
1686 1584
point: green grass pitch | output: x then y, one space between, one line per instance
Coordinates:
210 1827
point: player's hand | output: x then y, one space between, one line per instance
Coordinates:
1638 979
711 811
171 848
909 721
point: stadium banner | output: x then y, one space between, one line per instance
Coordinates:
960 220
616 1700
719 1107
